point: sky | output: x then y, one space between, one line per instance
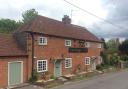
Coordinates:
114 11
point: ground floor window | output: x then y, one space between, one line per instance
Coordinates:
68 62
42 65
87 60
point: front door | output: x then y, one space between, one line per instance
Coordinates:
57 71
93 65
14 73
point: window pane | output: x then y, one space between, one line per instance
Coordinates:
43 41
68 63
87 61
42 65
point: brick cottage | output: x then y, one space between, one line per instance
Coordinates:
51 47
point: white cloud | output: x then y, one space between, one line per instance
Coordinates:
53 8
57 8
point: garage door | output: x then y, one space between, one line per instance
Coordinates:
15 73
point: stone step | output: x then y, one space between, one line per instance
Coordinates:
63 79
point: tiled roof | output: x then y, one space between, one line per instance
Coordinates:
57 28
9 47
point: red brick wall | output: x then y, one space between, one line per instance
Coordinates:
56 48
4 69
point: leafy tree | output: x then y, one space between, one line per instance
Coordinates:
112 45
29 15
104 55
114 60
124 57
7 25
123 48
104 43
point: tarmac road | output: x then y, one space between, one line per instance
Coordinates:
118 80
115 80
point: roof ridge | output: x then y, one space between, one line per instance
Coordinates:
49 26
74 25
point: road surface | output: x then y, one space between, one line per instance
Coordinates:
118 80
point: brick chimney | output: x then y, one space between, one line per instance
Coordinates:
66 19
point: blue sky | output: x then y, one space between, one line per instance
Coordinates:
114 11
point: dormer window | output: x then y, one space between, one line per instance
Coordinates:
87 44
68 43
42 40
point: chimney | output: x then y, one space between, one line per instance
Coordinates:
66 19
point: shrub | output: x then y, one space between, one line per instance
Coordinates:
114 60
53 77
33 78
99 67
104 57
124 58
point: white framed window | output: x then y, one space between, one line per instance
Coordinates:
68 62
87 44
99 45
87 60
68 42
42 40
42 65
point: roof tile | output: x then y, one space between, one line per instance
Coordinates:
9 46
49 26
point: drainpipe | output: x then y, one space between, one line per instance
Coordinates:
32 54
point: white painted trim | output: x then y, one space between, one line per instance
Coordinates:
86 59
21 70
69 44
42 43
88 44
93 64
46 66
99 45
60 68
70 61
54 68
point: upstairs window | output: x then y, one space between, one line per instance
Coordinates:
68 43
81 43
68 62
42 65
99 45
87 44
42 40
87 60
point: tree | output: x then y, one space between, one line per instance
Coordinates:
29 15
104 43
104 55
112 45
7 25
123 48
